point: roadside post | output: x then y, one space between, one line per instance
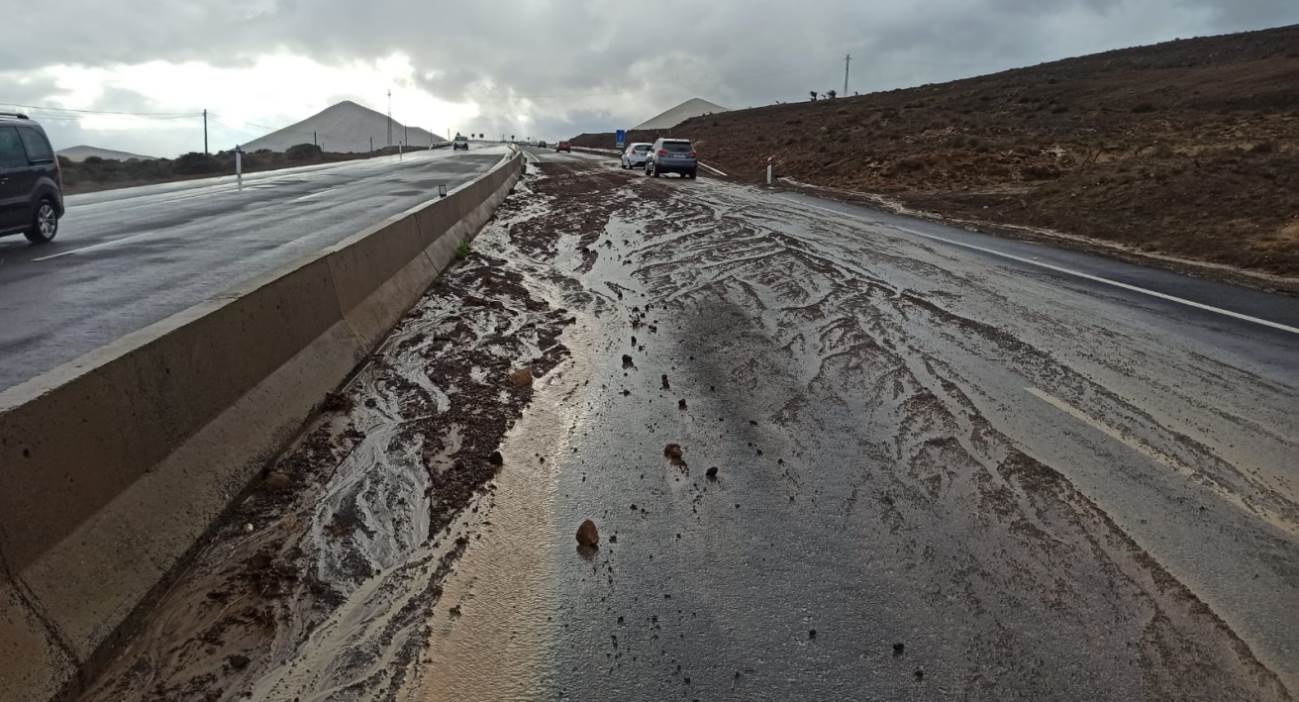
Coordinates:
769 171
239 167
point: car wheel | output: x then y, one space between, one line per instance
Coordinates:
45 223
694 174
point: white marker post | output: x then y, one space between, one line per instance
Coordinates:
769 172
239 167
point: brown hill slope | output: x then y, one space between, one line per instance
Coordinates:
1188 148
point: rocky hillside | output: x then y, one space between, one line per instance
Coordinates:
1188 148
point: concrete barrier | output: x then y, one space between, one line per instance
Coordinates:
114 465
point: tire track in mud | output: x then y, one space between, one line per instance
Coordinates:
320 584
985 519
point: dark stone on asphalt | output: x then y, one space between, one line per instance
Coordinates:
899 648
811 633
920 674
711 473
674 454
521 377
681 404
238 662
496 459
587 535
627 362
666 384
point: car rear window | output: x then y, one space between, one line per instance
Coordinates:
12 154
677 147
38 149
642 148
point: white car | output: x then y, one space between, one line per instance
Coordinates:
635 155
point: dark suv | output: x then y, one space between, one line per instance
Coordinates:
31 185
672 156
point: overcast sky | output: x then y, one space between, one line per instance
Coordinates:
539 68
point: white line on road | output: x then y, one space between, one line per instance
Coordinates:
1166 460
1067 271
94 247
310 196
1105 429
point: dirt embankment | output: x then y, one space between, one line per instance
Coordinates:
1188 148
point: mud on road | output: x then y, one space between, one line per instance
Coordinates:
824 463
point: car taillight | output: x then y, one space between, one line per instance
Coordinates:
663 152
691 154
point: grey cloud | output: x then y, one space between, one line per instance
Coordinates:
641 56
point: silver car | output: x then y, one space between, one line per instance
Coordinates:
672 156
636 154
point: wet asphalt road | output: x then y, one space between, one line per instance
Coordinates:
942 473
127 258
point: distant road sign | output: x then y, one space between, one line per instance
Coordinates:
620 136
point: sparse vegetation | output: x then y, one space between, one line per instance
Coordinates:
1185 148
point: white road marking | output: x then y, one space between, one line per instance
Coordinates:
94 247
310 196
1067 271
1154 454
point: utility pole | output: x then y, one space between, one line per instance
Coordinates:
389 116
313 138
847 59
205 132
371 146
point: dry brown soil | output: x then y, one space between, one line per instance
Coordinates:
1188 148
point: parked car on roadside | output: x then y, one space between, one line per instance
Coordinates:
31 183
672 156
541 144
635 155
461 143
564 146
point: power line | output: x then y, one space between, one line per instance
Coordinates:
44 108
